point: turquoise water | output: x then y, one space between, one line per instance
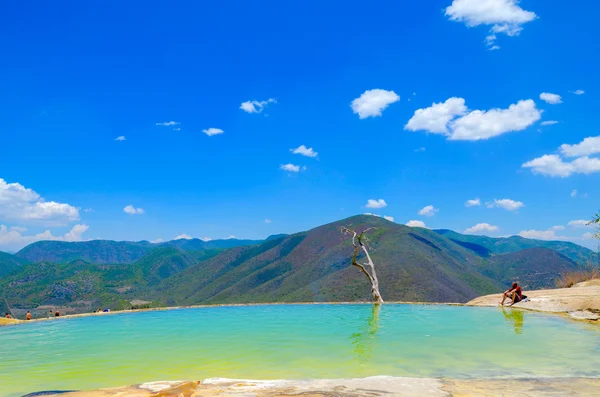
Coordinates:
293 341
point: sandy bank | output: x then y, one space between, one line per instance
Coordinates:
367 387
581 302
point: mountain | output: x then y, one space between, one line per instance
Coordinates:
505 245
413 265
95 251
107 251
10 263
533 268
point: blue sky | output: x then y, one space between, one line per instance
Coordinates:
76 76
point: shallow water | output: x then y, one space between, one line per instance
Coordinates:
294 342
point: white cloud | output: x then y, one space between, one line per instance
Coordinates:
168 123
157 241
421 149
389 218
558 227
504 16
120 138
131 210
480 124
475 125
230 237
553 165
435 118
213 131
550 98
549 122
473 203
177 129
183 237
429 210
574 193
481 228
542 234
304 151
205 239
371 203
23 204
290 167
256 106
372 102
590 145
579 92
507 204
268 221
13 239
412 223
88 210
580 223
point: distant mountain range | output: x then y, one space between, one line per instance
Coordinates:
413 264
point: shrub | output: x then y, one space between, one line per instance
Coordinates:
568 280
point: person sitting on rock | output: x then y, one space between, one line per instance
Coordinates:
514 294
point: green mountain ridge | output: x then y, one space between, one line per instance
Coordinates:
505 245
413 264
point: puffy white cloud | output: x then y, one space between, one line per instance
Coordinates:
590 145
504 16
213 131
473 203
435 118
550 98
428 210
475 125
13 238
372 102
205 239
413 223
579 92
290 167
183 237
549 234
507 204
231 236
304 151
268 221
480 124
256 106
389 218
553 165
549 122
481 228
580 223
168 123
371 203
120 138
23 204
131 210
157 241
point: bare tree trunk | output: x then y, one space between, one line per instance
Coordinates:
358 243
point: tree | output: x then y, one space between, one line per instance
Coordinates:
596 221
358 242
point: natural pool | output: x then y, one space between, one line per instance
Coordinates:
293 342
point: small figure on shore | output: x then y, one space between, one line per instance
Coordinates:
28 315
56 314
50 314
515 294
8 315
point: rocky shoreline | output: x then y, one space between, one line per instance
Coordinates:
580 302
364 387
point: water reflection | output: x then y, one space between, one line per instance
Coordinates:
515 317
365 340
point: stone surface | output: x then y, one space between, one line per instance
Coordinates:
582 299
365 387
